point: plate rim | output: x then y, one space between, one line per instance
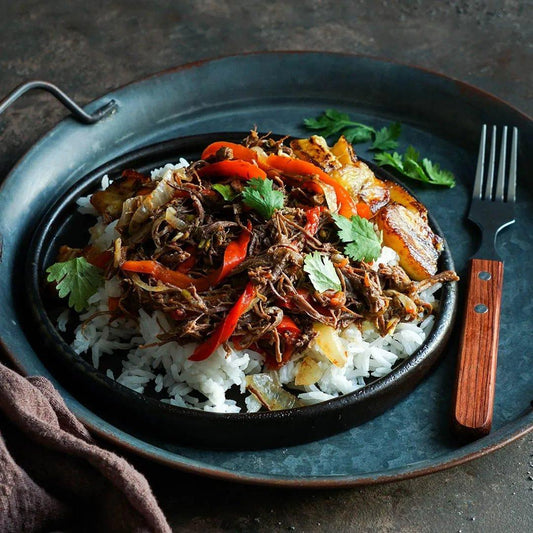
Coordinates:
515 429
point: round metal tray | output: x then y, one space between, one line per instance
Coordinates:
275 91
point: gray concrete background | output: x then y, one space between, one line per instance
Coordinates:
89 48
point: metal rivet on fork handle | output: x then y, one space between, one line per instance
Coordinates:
485 276
481 308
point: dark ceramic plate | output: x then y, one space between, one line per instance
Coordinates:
62 224
441 116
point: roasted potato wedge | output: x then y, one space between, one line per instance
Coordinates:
341 163
409 234
399 195
343 151
374 194
359 180
316 150
357 177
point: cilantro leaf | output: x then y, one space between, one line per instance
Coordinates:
438 176
76 277
260 195
226 191
394 160
410 166
357 135
387 138
363 242
321 272
346 232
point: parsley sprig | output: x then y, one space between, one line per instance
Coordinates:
77 279
409 164
362 242
261 196
332 122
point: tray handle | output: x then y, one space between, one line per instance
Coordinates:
77 112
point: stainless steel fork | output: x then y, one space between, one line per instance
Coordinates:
492 209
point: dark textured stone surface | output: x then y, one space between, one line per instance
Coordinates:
90 48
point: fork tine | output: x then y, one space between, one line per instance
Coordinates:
500 183
490 174
511 188
478 182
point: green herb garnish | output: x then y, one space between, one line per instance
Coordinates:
410 165
77 278
387 137
321 272
226 191
362 242
333 122
260 195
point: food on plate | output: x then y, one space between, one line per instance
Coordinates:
270 274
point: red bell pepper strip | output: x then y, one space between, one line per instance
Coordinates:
166 275
234 255
313 219
232 168
291 165
190 261
363 210
226 328
288 328
239 151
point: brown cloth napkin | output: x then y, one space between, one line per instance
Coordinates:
53 476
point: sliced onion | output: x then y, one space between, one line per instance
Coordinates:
163 193
309 372
329 195
128 209
328 345
270 393
171 216
117 253
261 154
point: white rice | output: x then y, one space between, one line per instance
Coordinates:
206 385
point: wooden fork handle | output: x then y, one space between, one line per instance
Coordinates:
478 349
